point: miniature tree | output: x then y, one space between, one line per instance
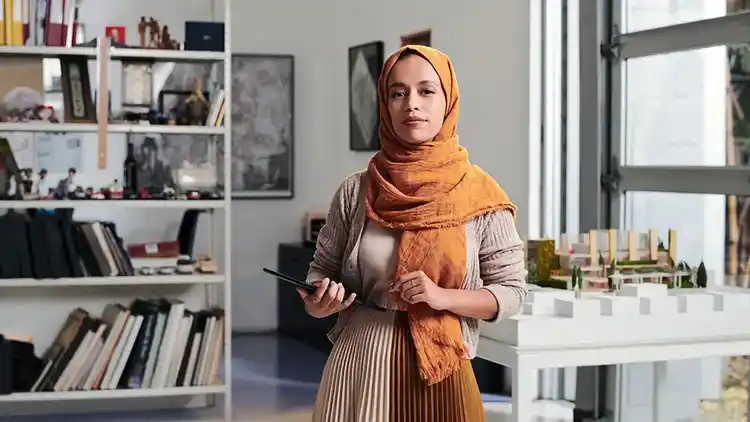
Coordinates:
531 272
661 247
701 277
573 278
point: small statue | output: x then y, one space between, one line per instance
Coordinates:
154 35
40 182
166 39
65 187
197 105
142 26
25 185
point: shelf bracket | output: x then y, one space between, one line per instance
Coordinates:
611 50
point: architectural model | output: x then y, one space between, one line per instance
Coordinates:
607 259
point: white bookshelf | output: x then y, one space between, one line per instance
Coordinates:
41 305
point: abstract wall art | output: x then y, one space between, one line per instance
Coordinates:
365 63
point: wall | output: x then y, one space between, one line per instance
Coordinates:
489 45
490 49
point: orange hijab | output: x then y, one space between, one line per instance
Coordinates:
430 191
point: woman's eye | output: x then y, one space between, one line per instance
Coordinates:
428 92
398 94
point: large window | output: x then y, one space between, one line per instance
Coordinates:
665 139
678 129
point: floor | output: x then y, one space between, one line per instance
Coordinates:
275 380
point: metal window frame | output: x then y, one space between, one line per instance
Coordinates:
604 52
593 125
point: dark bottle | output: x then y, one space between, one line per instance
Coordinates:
130 168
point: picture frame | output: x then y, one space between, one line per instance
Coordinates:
137 85
76 89
262 126
365 64
423 37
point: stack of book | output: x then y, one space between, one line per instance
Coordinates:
52 245
155 343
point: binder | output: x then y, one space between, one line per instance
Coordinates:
17 23
7 22
54 31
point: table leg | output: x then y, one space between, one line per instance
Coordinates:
523 391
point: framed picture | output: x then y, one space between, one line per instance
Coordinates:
76 89
137 85
365 63
262 123
418 38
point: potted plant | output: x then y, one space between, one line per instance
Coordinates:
701 277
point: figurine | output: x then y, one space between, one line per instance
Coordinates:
40 183
142 26
65 186
27 184
154 35
198 105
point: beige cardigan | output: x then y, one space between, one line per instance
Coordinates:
495 258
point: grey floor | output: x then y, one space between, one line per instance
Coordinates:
274 380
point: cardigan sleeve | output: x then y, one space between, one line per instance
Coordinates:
502 263
332 238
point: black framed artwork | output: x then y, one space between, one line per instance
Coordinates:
262 126
365 63
76 88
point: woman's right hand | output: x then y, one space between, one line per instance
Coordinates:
327 299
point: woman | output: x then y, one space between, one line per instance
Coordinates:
430 237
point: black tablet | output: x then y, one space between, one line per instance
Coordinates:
310 288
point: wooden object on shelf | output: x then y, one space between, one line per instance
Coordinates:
142 28
103 104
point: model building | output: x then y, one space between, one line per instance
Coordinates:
606 259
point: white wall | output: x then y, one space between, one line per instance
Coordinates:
488 42
489 45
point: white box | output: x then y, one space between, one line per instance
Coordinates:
577 308
691 301
659 305
729 301
643 290
542 301
619 305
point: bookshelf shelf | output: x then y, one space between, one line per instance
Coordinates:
45 52
113 394
173 204
151 280
115 53
111 128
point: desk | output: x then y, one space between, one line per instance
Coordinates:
527 343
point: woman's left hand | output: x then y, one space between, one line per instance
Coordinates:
417 287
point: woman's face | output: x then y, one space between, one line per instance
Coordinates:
416 101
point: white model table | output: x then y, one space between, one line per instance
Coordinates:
659 331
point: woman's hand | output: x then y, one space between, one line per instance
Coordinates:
416 287
327 300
